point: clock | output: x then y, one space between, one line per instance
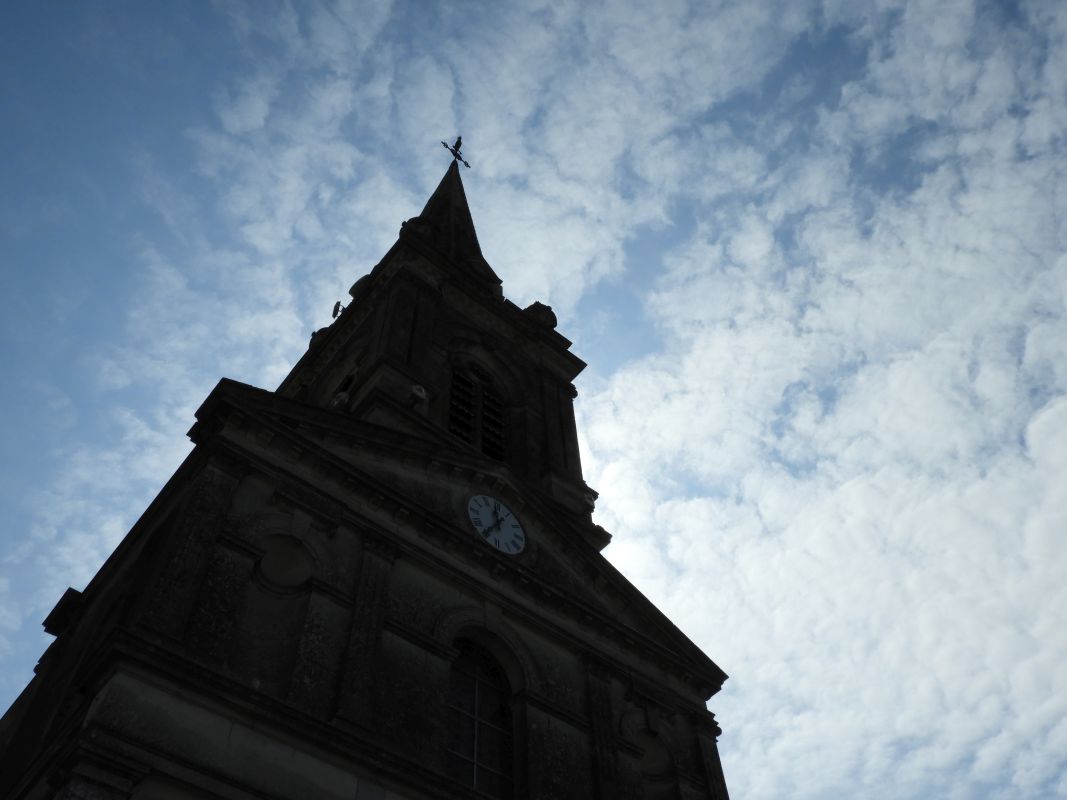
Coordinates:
496 523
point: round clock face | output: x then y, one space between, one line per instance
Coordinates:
496 523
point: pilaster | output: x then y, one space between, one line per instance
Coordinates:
367 617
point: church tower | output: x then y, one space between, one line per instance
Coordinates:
381 580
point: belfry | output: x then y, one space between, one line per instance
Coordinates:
380 580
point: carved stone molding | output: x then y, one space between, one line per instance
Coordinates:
82 788
706 730
318 659
601 717
216 615
456 621
368 615
195 528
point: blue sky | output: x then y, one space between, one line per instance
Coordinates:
814 253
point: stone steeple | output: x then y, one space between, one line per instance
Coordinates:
381 580
428 325
445 225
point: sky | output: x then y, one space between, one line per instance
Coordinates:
813 252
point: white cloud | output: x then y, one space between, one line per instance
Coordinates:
246 109
864 503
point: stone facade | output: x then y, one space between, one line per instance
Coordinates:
286 618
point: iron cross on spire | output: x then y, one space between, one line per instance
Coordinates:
454 150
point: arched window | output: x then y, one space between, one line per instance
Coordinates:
476 411
481 723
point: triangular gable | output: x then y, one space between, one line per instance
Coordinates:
418 473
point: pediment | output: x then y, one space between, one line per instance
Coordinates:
417 488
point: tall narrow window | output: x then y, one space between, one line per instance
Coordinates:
476 411
461 407
481 727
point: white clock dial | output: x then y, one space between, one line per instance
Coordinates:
496 523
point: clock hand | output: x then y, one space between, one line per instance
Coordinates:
497 519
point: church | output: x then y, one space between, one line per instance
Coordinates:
380 581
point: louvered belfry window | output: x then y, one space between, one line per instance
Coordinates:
476 411
480 724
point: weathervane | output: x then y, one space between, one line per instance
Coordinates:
454 150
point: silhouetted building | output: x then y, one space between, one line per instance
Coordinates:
381 580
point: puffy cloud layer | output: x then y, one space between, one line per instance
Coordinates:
855 482
839 460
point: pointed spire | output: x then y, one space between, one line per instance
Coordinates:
446 225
